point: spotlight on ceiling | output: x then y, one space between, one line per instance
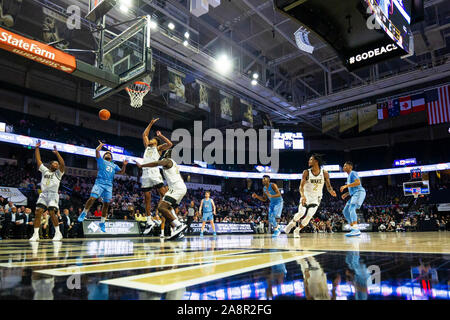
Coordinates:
171 26
185 43
223 64
254 82
186 35
255 76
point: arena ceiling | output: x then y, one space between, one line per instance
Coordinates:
294 87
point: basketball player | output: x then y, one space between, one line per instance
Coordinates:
151 177
272 193
311 188
49 197
173 197
103 184
357 193
208 211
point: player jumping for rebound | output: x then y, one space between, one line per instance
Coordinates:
173 197
208 211
311 188
357 193
151 177
49 197
103 184
272 193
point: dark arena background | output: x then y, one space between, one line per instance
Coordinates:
295 150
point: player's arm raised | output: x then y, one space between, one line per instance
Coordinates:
302 187
38 154
124 167
97 150
62 164
328 183
147 132
167 143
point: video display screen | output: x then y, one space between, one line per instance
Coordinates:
394 16
288 141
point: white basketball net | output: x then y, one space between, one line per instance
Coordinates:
137 91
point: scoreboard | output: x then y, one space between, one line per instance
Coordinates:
416 174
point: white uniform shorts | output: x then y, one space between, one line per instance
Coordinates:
155 181
175 195
48 200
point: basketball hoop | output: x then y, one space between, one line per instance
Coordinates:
137 92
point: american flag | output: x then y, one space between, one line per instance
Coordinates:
438 105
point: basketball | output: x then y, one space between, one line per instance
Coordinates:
104 114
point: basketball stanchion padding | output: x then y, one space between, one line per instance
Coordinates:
137 91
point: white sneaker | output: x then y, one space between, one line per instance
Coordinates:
148 228
297 233
289 227
35 237
158 222
58 236
177 230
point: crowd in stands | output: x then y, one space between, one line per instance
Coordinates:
385 208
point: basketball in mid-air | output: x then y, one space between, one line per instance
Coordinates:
104 114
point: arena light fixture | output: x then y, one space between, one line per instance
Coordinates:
254 82
153 25
186 35
223 64
125 5
255 76
185 43
171 26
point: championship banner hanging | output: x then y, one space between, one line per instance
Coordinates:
176 86
329 122
203 93
348 119
247 113
226 106
367 117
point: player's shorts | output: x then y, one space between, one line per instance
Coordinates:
358 198
174 196
102 191
207 216
275 209
150 182
48 200
312 199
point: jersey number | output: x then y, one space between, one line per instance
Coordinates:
316 186
109 169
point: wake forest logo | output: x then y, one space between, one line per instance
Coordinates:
316 181
192 267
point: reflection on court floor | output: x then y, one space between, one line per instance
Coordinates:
313 267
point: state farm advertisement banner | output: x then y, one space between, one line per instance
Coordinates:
37 51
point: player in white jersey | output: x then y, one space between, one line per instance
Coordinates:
174 195
151 177
311 188
49 197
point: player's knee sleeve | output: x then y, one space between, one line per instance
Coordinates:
311 211
353 216
301 212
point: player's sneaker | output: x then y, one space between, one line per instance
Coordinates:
277 232
149 227
177 231
35 237
58 236
289 227
297 233
82 216
157 222
102 226
353 233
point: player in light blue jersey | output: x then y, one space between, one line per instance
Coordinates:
272 193
208 211
103 184
357 193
